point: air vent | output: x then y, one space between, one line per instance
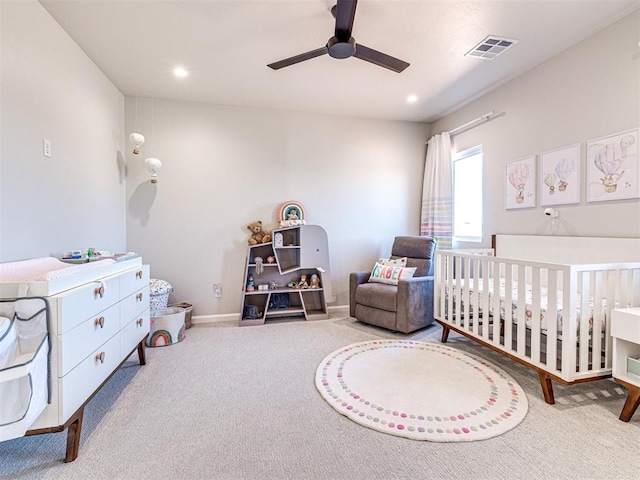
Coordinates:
491 47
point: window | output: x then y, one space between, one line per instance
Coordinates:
467 195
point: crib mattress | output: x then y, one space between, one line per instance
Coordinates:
504 307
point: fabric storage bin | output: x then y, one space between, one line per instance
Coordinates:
24 364
167 327
159 291
188 310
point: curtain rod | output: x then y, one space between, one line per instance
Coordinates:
475 122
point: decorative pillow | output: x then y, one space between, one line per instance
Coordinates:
393 262
390 274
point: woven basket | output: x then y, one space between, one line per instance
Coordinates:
188 310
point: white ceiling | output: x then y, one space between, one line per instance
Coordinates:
226 45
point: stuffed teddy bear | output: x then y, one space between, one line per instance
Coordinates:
257 234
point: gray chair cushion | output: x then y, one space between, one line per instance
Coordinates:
378 295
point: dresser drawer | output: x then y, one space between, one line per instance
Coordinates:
133 333
133 305
78 343
133 280
82 381
80 304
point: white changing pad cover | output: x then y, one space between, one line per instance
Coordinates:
44 269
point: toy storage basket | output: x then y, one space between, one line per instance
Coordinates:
24 364
159 291
188 310
167 327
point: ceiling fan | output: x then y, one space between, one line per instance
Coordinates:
343 45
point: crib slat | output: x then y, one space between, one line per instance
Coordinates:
467 300
483 300
551 319
536 299
522 311
508 300
458 290
495 301
596 328
450 289
569 313
475 293
584 284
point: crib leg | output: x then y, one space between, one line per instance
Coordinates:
547 388
445 334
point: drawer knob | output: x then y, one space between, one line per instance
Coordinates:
100 322
99 291
139 297
139 322
139 274
100 357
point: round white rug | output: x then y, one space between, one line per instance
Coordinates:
421 390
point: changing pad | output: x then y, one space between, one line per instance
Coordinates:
43 269
46 276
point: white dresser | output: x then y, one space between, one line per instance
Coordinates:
98 318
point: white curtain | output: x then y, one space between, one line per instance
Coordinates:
437 200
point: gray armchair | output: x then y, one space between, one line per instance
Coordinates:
405 307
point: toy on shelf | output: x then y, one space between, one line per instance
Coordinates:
257 234
250 287
291 214
303 282
315 281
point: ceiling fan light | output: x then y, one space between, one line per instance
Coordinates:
339 49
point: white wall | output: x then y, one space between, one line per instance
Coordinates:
51 89
586 92
223 167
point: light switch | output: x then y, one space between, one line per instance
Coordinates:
46 147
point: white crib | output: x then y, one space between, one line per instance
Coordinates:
542 301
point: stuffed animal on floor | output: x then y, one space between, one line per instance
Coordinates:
257 234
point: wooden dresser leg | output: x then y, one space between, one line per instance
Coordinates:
632 403
445 334
547 388
73 437
141 353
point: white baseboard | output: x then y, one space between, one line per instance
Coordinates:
335 311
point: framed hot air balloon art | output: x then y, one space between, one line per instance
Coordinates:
520 183
613 172
560 180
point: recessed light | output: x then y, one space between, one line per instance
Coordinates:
180 72
412 99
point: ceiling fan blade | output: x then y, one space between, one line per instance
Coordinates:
345 12
298 58
381 59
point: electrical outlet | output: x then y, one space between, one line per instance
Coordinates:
217 290
46 147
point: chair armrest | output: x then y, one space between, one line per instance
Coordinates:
415 303
355 279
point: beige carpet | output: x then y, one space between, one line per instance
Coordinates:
240 403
